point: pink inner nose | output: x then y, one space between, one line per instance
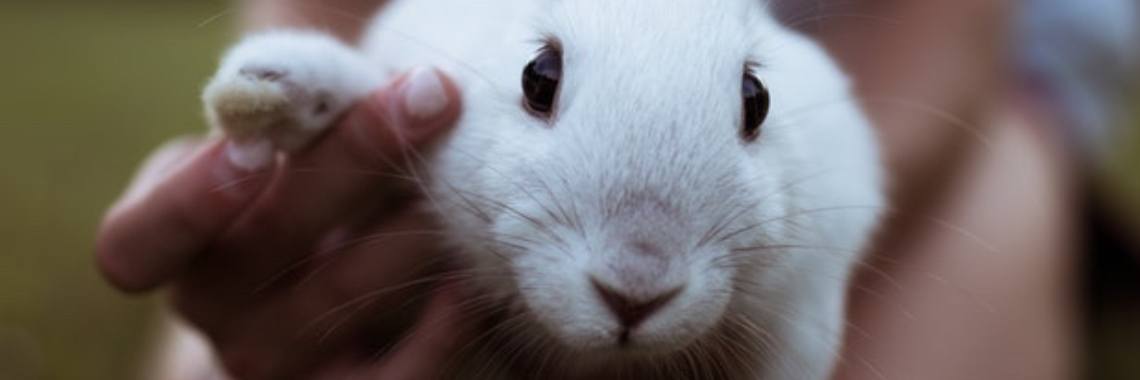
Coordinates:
629 310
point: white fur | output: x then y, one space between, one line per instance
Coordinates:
286 86
643 148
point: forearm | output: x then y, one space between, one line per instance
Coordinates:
973 274
345 18
983 287
927 71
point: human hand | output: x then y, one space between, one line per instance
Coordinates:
302 267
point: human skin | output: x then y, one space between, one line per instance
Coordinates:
971 275
262 257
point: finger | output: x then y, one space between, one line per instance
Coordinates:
365 286
160 164
382 265
366 280
367 149
378 280
302 213
427 349
430 346
181 200
348 170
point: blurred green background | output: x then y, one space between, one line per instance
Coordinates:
87 88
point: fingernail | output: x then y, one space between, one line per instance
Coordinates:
425 98
250 155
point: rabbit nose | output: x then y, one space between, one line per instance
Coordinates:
630 310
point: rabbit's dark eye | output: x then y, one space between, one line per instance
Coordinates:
540 81
755 97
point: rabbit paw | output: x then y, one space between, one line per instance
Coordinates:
285 88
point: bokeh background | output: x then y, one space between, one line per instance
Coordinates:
89 87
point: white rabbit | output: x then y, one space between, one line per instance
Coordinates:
681 191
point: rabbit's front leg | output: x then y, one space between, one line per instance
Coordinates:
280 89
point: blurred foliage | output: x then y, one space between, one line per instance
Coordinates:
1122 176
1114 281
87 88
